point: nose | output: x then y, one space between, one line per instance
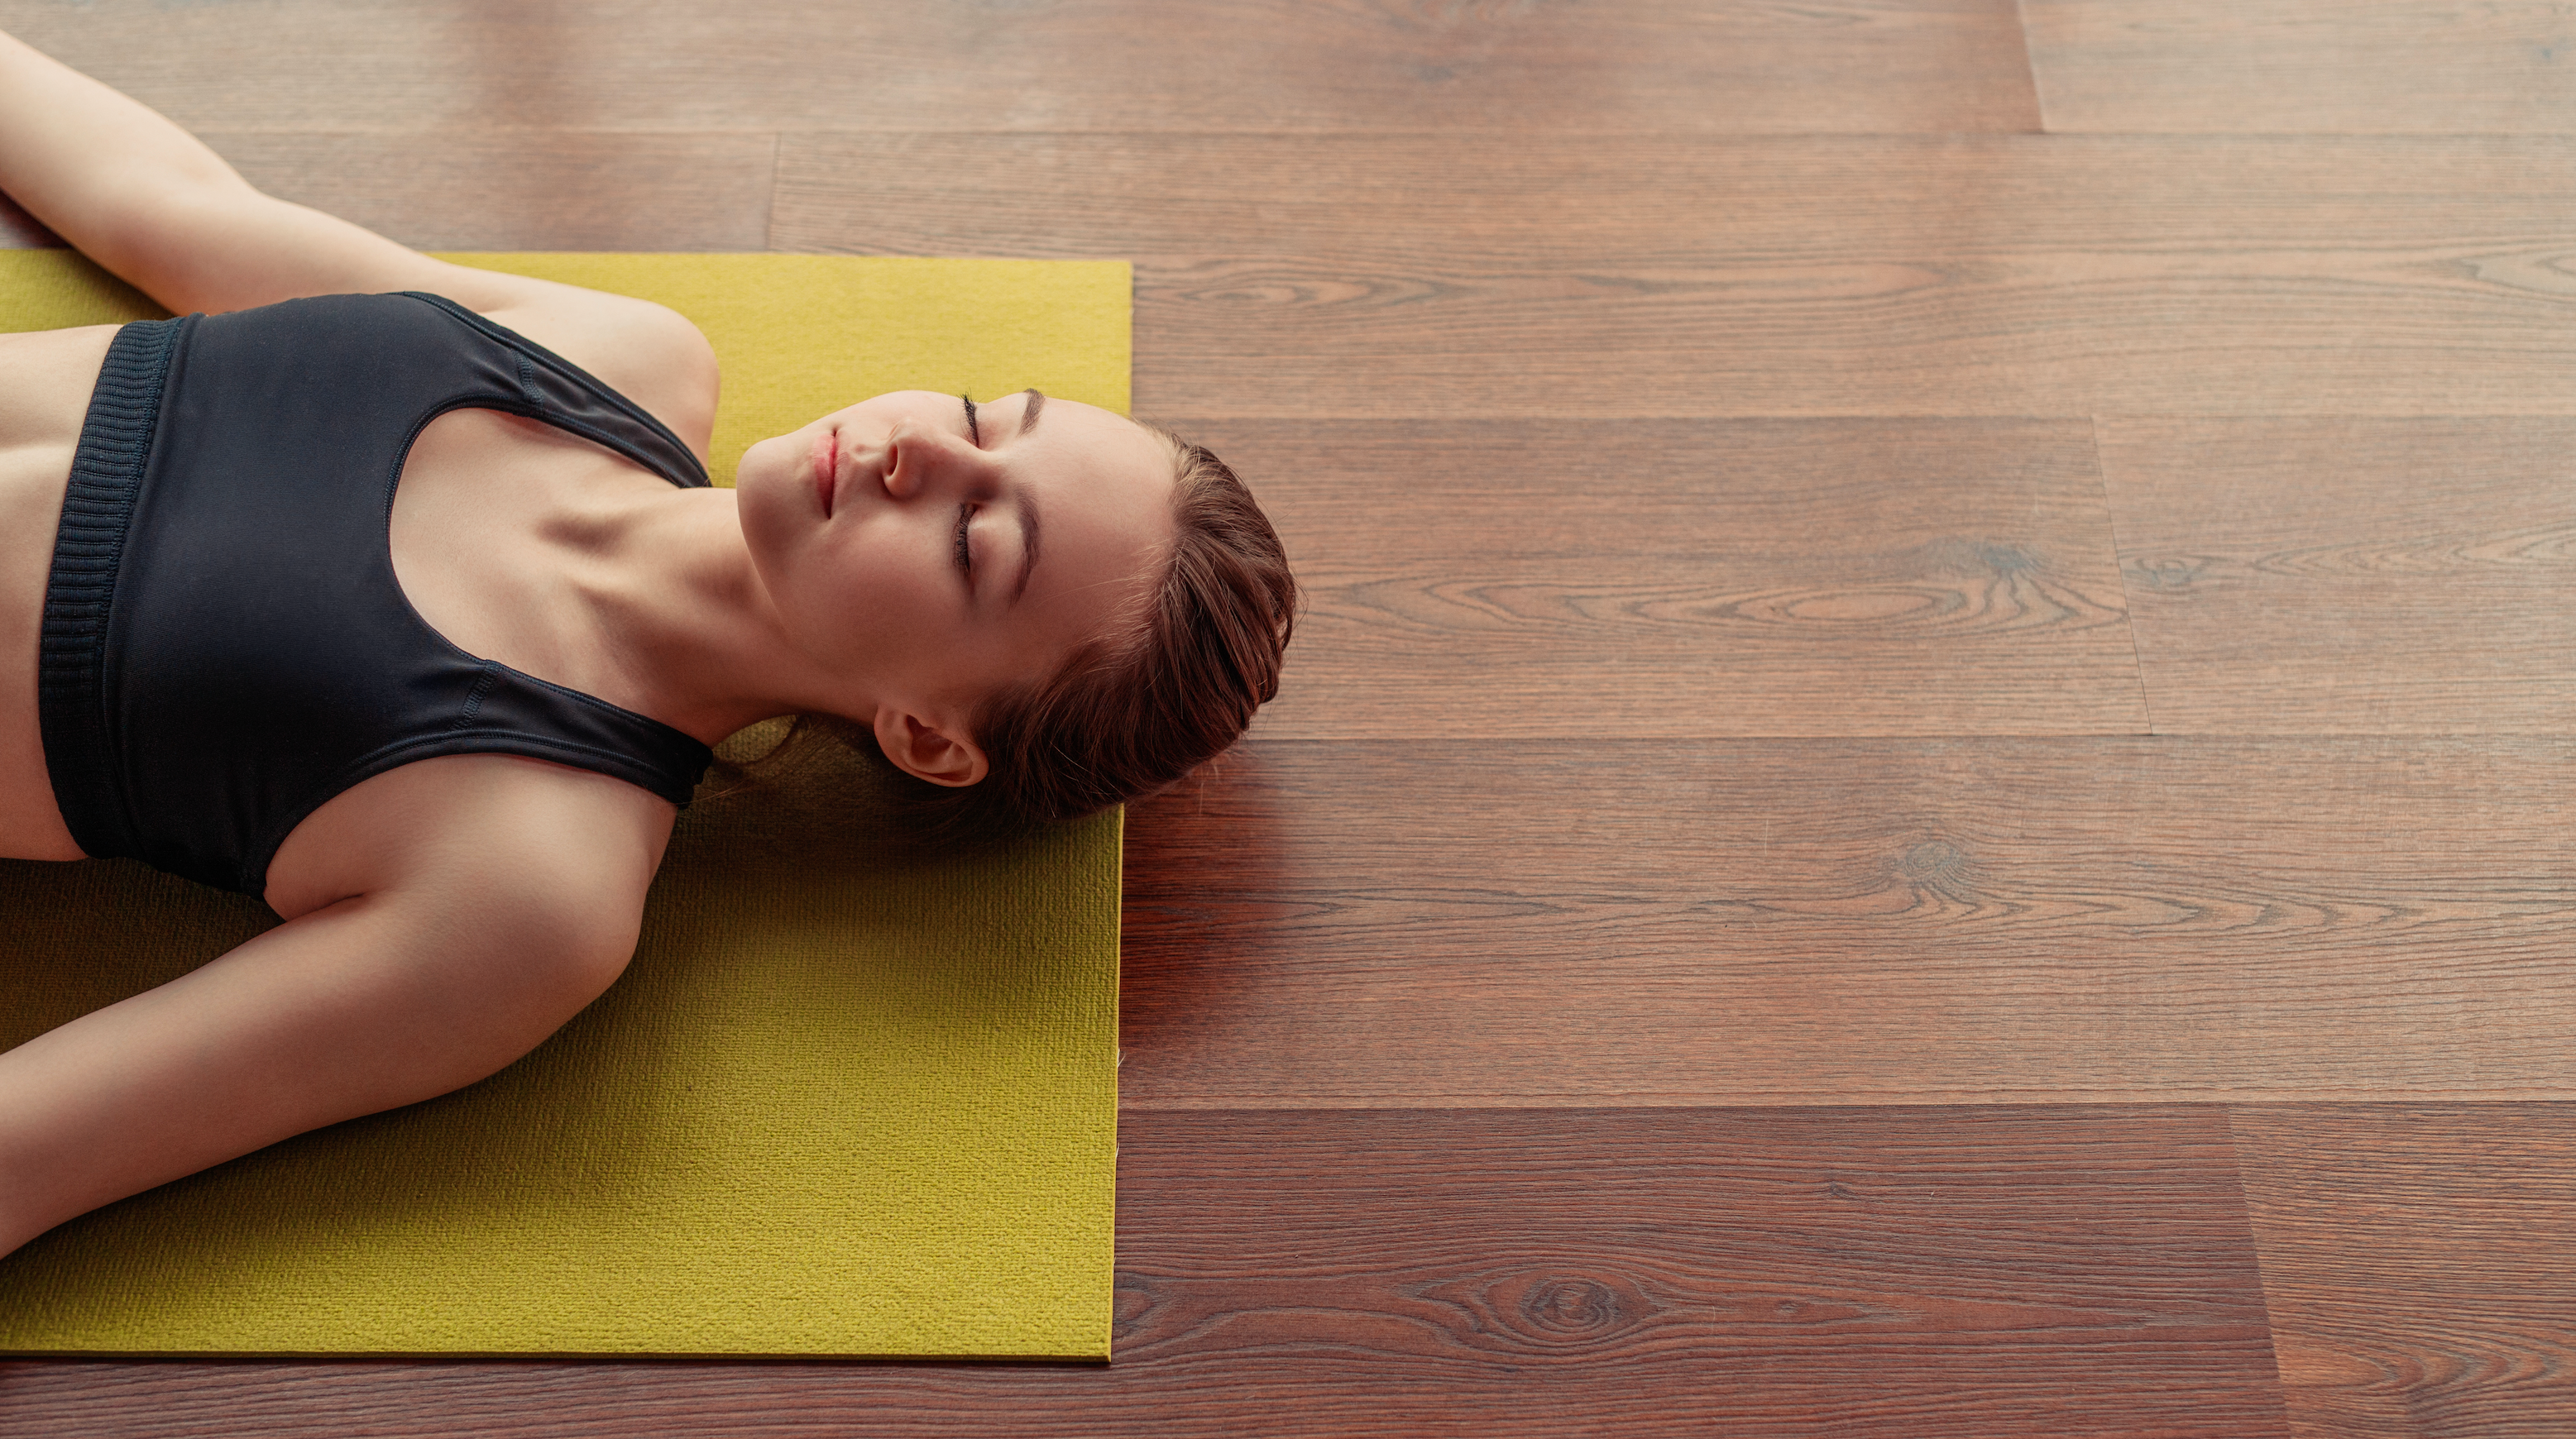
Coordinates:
920 460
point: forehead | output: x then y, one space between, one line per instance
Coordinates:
1100 445
1101 484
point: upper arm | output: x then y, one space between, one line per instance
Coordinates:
524 931
380 998
221 245
488 955
512 889
567 850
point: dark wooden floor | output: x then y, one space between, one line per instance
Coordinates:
1926 788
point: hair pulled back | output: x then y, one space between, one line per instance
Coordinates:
1131 713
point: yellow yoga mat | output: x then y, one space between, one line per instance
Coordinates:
848 1100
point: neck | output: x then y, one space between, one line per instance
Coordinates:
675 600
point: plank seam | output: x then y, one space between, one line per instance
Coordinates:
2030 66
2262 1273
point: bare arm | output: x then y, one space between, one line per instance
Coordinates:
492 933
149 202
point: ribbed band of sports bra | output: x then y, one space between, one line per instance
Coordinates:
225 646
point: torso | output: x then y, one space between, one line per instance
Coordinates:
470 551
45 383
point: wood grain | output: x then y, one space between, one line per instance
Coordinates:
472 191
507 192
1613 770
2315 576
1881 921
1599 578
1916 1273
2415 1263
1387 276
2296 65
1689 66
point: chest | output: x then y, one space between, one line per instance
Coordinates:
312 584
488 543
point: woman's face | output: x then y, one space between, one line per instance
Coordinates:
930 554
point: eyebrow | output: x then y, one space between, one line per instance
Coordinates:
1028 506
1028 545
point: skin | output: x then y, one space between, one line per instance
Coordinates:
858 514
445 917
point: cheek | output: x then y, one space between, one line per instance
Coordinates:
874 606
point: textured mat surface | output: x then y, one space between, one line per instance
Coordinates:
846 1100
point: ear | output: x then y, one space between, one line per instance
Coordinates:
925 750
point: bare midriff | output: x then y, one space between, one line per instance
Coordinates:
45 383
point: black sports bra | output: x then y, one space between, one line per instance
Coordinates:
225 644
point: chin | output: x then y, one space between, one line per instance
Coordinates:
757 495
759 463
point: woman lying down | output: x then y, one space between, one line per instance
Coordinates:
395 593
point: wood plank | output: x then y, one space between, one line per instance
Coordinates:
1700 66
2317 576
474 191
1916 1273
1854 921
1649 577
2416 1266
1389 276
2422 66
470 191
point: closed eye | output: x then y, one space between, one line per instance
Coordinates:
965 556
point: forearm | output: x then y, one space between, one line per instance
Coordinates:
103 171
145 199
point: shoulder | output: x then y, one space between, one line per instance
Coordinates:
650 353
509 850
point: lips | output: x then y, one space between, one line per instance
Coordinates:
827 469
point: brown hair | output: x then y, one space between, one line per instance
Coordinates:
1133 711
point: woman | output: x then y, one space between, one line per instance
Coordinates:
412 613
